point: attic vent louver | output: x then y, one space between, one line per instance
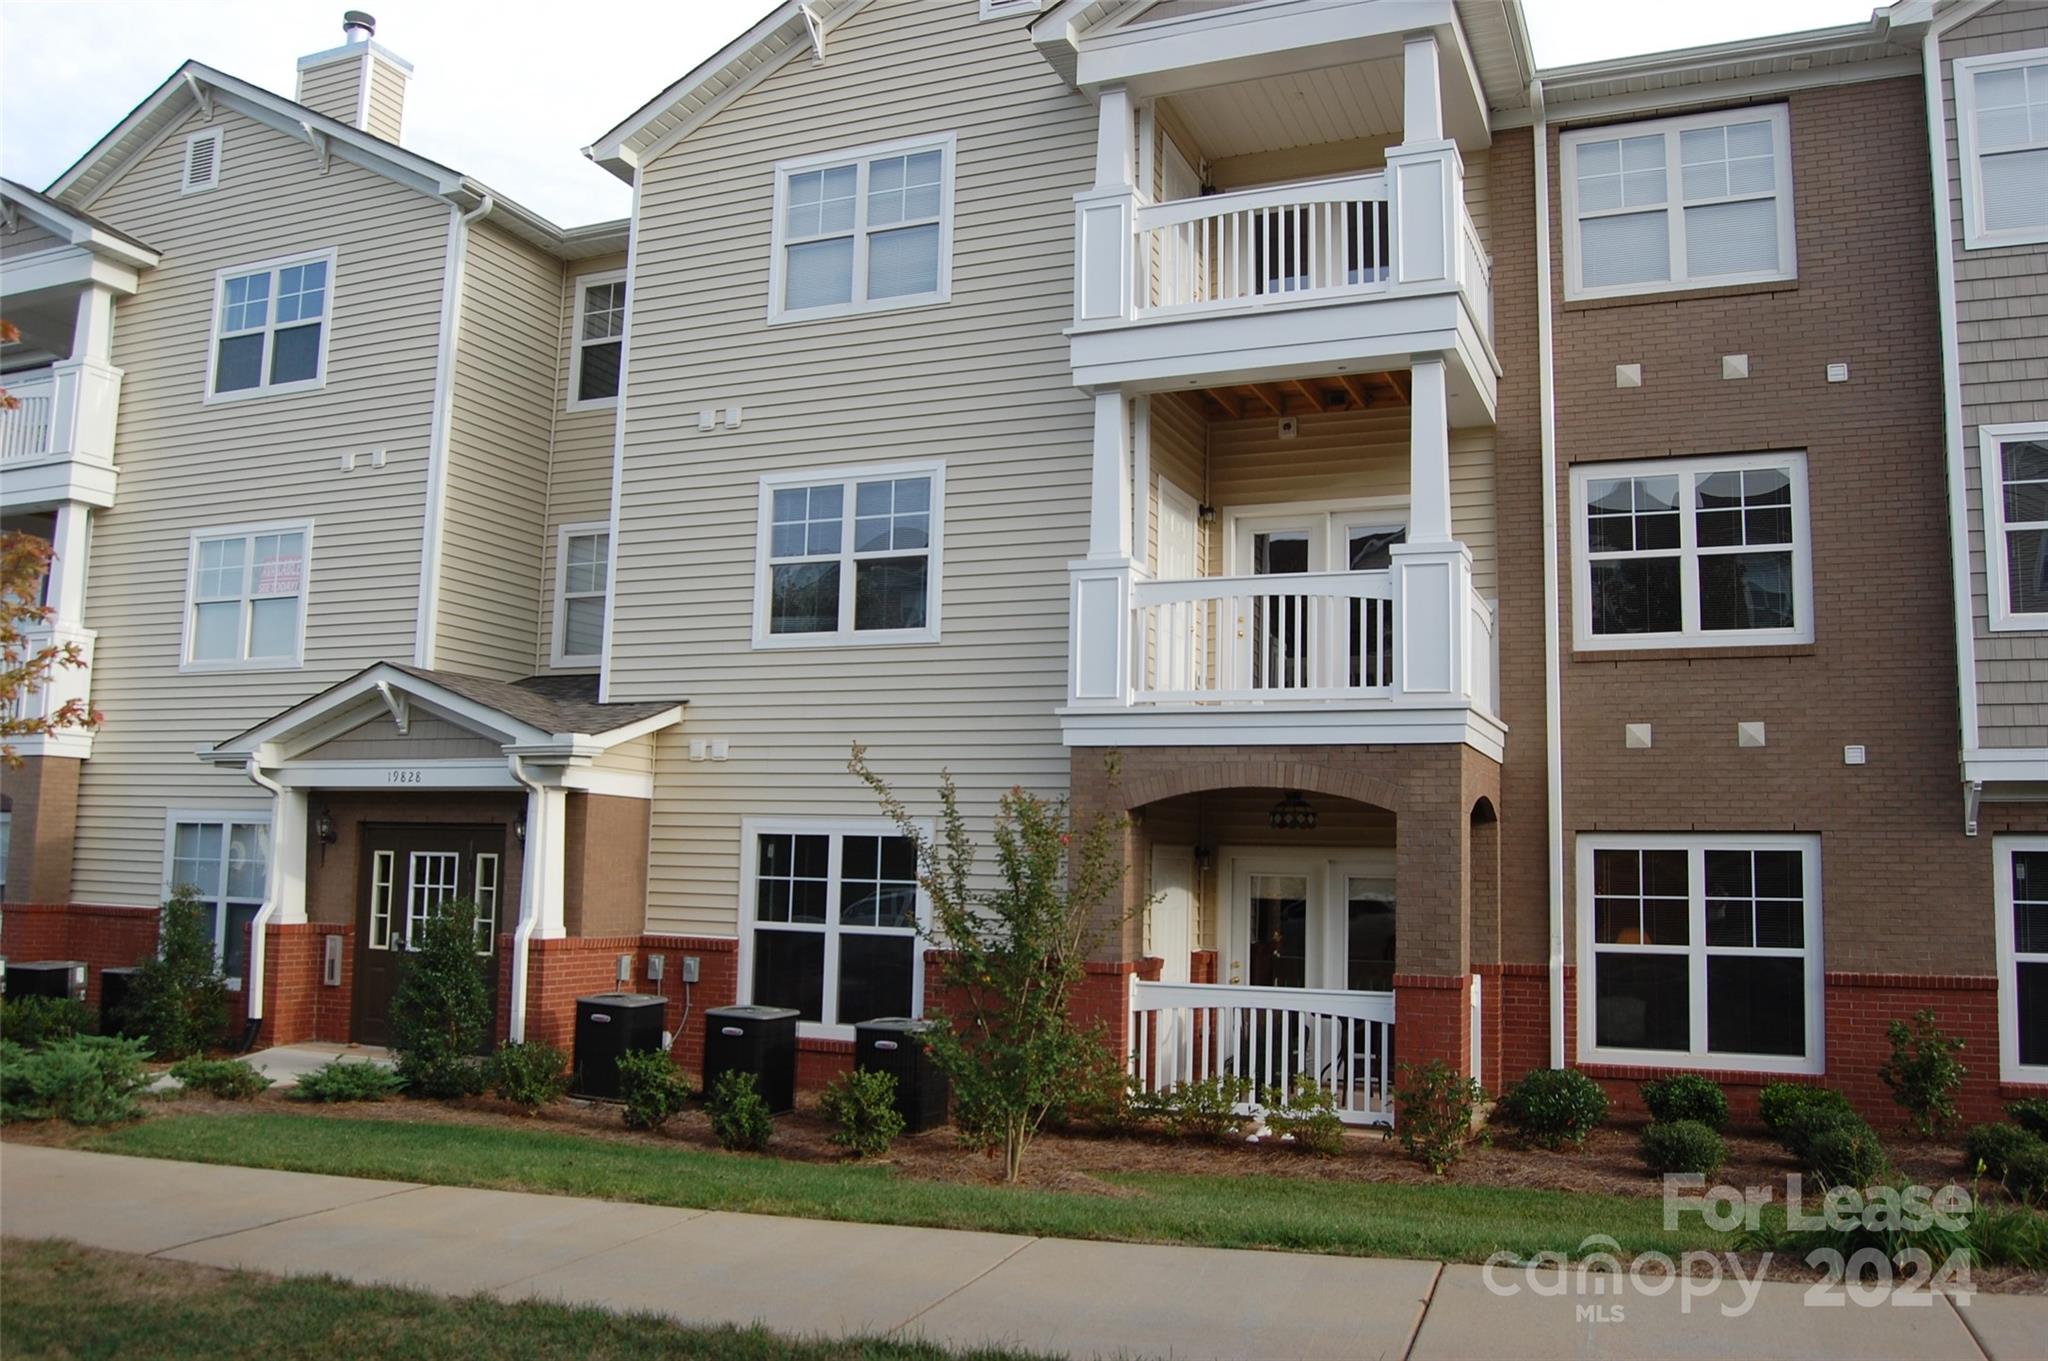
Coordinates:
202 161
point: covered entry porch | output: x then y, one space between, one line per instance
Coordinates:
1304 916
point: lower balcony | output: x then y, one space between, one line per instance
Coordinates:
57 445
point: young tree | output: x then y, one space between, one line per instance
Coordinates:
178 1000
441 1009
1012 955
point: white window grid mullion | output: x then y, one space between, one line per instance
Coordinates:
859 290
828 1002
848 490
1688 551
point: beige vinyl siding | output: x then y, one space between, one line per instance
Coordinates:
335 89
982 382
25 238
2002 343
580 475
426 738
386 114
632 758
1180 455
501 417
187 465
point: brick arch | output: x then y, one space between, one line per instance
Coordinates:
1307 776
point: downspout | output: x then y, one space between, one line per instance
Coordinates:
529 907
1952 398
259 926
437 433
1553 702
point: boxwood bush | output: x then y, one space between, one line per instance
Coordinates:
528 1073
1846 1153
651 1087
2030 1115
739 1114
1992 1146
1781 1103
861 1103
1552 1107
1683 1146
1686 1096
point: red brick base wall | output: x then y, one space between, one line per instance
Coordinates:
101 937
1433 1020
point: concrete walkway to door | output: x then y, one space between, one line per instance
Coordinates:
287 1063
804 1277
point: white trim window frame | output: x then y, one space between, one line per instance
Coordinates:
266 302
1624 173
1690 512
234 889
186 183
608 321
216 578
2015 517
834 512
840 203
2021 950
820 874
1755 921
574 581
2017 139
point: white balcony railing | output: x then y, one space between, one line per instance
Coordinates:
25 429
1475 272
1307 636
1292 241
1273 1038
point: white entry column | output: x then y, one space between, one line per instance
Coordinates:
1099 646
1432 571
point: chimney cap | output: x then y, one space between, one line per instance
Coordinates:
354 20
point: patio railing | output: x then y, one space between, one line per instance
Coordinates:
1278 1038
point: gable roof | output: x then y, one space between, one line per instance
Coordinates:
785 32
195 85
77 228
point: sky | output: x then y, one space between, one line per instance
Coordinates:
510 92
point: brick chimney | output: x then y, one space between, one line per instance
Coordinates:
361 82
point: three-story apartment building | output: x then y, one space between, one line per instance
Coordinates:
1483 533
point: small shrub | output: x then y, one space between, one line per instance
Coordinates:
1435 1105
1683 1146
1782 1103
33 1022
739 1114
1208 1108
441 1009
653 1090
1808 1123
338 1081
2030 1115
528 1073
229 1079
1846 1153
1552 1107
1309 1116
2026 1173
862 1103
1686 1096
1924 1073
86 1080
1987 1148
178 999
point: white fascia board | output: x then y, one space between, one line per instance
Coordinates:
1247 42
417 775
79 232
1283 725
2005 765
68 267
306 63
1678 98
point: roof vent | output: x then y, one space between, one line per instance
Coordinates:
358 27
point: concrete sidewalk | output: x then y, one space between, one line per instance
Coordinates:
1054 1295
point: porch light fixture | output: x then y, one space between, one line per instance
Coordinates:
1293 814
519 830
323 827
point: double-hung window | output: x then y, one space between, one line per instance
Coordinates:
582 565
863 230
849 557
1700 951
246 597
1678 203
270 327
2002 135
2015 482
223 861
833 912
2021 873
597 344
1691 552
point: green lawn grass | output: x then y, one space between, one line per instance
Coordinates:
71 1302
1455 1222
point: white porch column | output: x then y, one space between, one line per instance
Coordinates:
288 856
1115 140
92 334
1432 571
1422 99
543 883
1429 454
86 388
1099 641
1103 216
69 550
1109 512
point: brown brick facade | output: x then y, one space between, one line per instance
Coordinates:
41 799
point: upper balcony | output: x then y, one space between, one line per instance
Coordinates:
1284 211
58 444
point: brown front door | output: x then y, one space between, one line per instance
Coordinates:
408 872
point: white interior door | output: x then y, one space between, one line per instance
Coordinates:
1276 922
1170 917
1276 632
